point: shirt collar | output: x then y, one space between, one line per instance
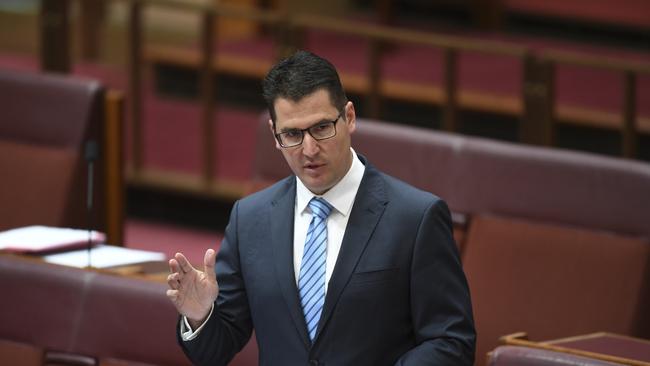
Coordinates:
342 195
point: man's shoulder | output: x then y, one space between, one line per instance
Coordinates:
398 189
409 202
271 193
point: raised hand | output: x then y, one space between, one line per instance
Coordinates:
193 292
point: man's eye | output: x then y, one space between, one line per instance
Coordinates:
292 133
322 127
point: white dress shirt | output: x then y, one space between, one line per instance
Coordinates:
341 197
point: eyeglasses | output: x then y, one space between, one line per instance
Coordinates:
320 131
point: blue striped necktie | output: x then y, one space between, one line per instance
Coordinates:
311 283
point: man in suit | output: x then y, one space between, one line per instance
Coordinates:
339 264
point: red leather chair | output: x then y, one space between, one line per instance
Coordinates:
45 123
524 356
79 316
20 354
554 281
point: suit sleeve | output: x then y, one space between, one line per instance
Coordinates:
230 326
440 301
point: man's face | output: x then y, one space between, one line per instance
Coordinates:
318 164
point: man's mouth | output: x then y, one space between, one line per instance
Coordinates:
313 166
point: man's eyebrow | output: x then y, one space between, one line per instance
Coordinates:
286 129
324 120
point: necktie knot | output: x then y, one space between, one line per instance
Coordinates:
319 207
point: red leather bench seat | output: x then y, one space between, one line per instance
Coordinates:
553 281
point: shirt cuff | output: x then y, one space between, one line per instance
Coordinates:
187 334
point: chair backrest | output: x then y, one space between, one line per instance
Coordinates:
46 302
408 153
46 124
118 362
553 281
476 175
129 319
20 354
524 356
552 185
386 146
81 314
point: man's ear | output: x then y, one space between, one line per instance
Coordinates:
277 144
350 117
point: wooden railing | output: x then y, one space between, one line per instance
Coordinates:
375 85
114 166
536 106
627 122
206 64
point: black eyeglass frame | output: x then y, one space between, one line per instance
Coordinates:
308 130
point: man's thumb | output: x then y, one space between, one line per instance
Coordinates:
208 262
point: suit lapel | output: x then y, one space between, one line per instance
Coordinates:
282 219
369 205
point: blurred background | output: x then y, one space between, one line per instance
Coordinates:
569 75
531 118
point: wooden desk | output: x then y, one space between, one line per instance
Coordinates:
604 346
156 271
609 344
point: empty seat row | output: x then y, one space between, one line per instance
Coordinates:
74 313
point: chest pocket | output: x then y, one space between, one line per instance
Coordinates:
374 276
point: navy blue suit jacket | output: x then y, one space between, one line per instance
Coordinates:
397 295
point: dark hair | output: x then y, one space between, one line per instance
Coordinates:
299 75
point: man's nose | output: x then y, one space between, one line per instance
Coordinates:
309 145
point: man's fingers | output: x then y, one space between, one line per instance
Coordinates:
208 262
183 263
172 294
173 281
173 266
